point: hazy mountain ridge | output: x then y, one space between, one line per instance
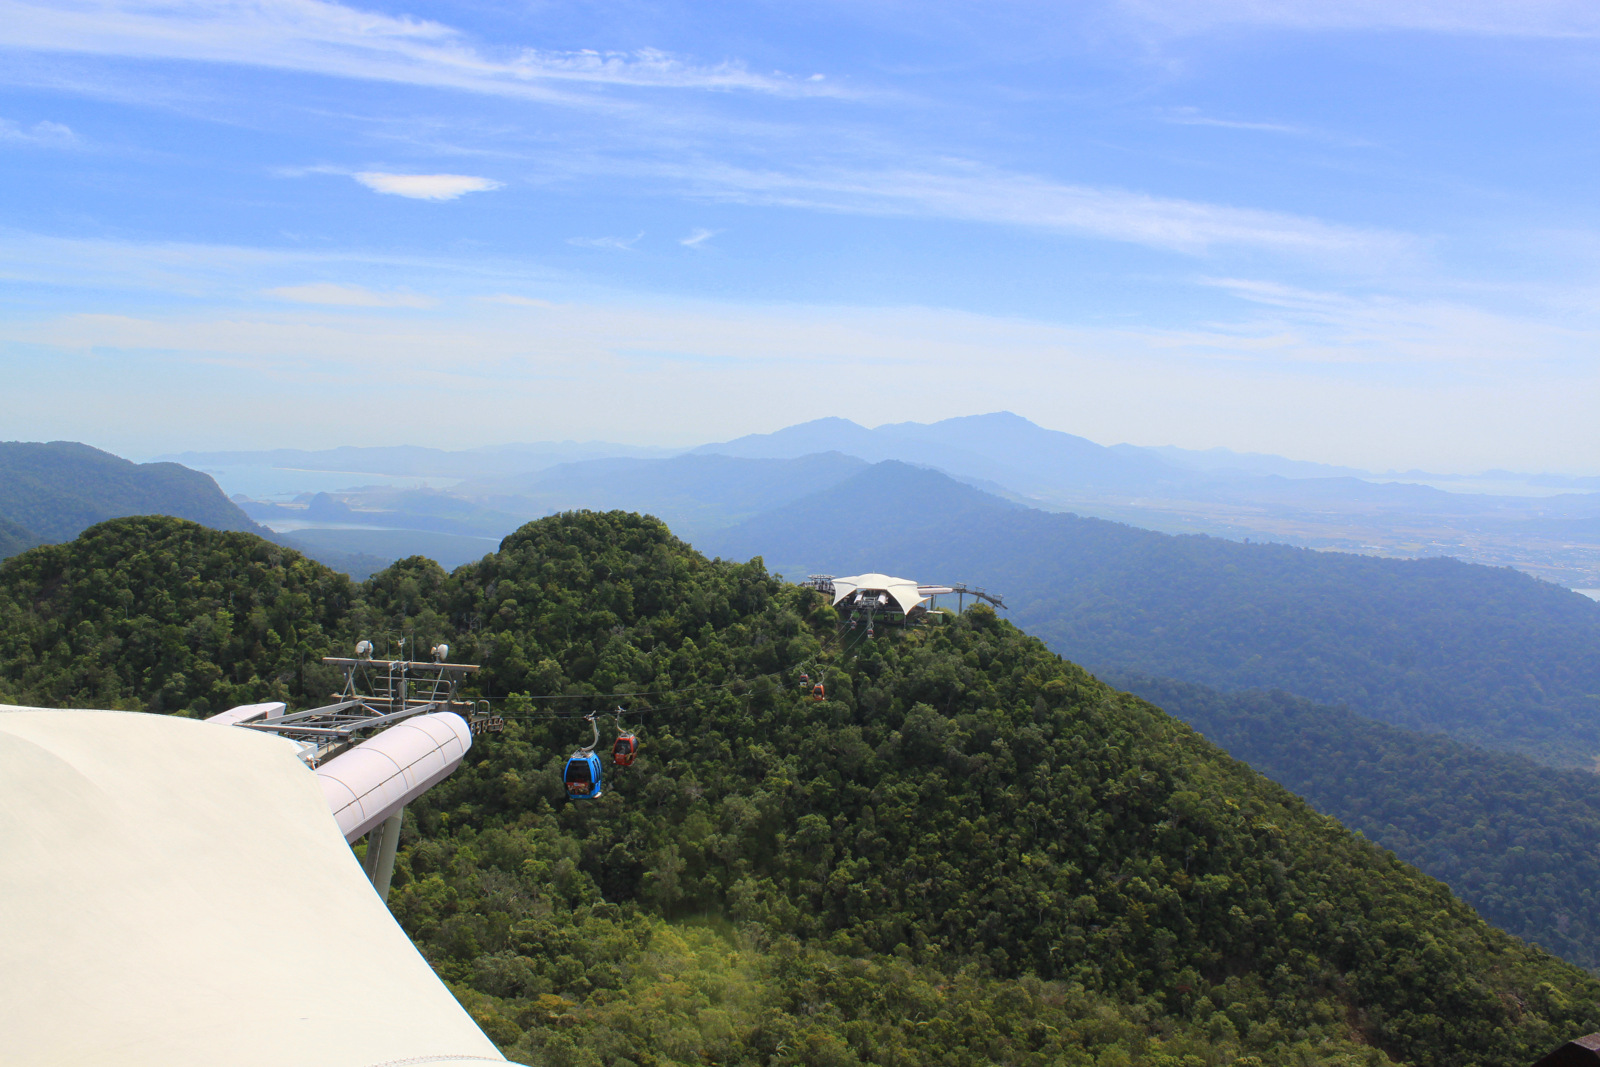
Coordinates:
51 492
693 493
14 538
483 462
1226 460
1489 655
1173 490
1001 447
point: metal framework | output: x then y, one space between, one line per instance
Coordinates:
823 583
977 593
377 693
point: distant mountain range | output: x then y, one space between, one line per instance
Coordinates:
1488 655
423 462
486 493
1001 449
53 491
695 494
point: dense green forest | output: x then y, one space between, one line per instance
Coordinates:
971 852
1518 841
1488 655
165 615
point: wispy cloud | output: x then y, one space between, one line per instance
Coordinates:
334 295
1189 116
1345 328
1495 18
699 237
983 194
42 134
163 269
329 38
1192 116
425 186
615 244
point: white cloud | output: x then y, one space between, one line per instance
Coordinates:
699 237
329 38
425 186
335 295
615 244
983 194
44 134
1498 18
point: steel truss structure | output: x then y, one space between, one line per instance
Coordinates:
377 693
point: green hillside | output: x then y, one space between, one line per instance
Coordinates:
971 852
166 615
1488 655
1517 840
55 491
14 539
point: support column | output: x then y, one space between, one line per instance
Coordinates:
382 843
369 865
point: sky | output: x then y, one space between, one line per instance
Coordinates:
1357 231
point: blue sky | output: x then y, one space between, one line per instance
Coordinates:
1360 232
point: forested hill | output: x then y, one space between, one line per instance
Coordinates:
52 492
13 538
1517 840
1488 655
971 852
168 616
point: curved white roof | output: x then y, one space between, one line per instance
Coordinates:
377 778
903 590
177 893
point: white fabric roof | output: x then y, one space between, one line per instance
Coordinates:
176 893
903 590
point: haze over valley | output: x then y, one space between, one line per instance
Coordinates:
1545 524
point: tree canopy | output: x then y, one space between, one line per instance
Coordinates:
970 852
1517 840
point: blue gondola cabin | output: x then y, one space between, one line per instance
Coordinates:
583 776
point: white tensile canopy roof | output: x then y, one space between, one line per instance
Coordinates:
177 893
903 590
